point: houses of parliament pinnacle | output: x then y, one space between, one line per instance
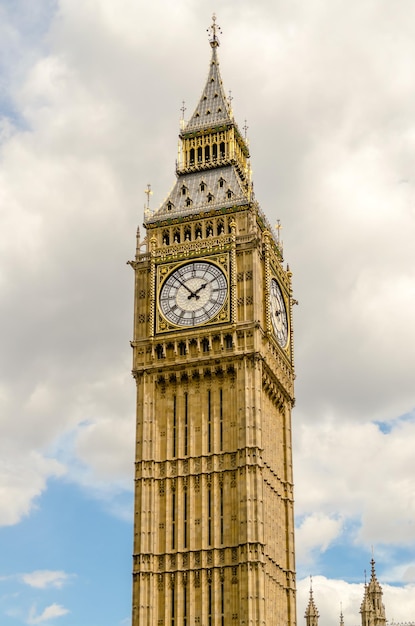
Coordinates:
214 371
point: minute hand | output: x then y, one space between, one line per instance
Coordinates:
192 293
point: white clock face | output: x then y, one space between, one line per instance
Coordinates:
278 314
193 294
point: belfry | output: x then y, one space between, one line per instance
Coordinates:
213 365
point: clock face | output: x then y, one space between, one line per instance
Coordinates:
278 314
193 293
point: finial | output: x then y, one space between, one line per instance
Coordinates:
245 128
183 109
311 585
278 229
213 30
148 193
230 98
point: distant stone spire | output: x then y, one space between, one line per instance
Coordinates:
341 615
311 614
372 609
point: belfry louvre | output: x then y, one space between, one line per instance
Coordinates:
213 364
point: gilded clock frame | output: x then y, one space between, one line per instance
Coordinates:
222 261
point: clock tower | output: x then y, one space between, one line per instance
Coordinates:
213 364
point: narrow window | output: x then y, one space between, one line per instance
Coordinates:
185 519
169 206
166 238
205 345
174 426
215 151
159 351
222 603
186 425
173 520
173 612
184 190
221 419
221 514
202 186
199 155
209 494
209 197
229 193
185 605
188 202
210 603
207 153
222 150
209 425
192 156
182 348
221 181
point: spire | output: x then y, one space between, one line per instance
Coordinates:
372 608
311 614
213 108
341 615
213 170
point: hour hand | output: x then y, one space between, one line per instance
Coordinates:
202 286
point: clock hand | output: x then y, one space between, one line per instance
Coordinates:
186 287
200 288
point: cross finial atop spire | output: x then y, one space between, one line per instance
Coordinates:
214 29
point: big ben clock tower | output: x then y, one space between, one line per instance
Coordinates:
213 364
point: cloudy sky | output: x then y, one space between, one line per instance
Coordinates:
90 98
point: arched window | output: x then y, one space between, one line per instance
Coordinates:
198 231
188 201
192 156
209 197
166 237
207 153
202 186
187 233
199 155
215 151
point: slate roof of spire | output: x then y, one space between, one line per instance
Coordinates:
203 191
213 108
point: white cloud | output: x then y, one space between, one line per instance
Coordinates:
18 487
44 579
50 612
361 472
315 533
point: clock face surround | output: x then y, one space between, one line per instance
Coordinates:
278 313
193 294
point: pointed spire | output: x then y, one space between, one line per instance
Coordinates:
372 608
311 614
213 108
341 615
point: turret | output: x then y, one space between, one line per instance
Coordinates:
311 614
372 609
